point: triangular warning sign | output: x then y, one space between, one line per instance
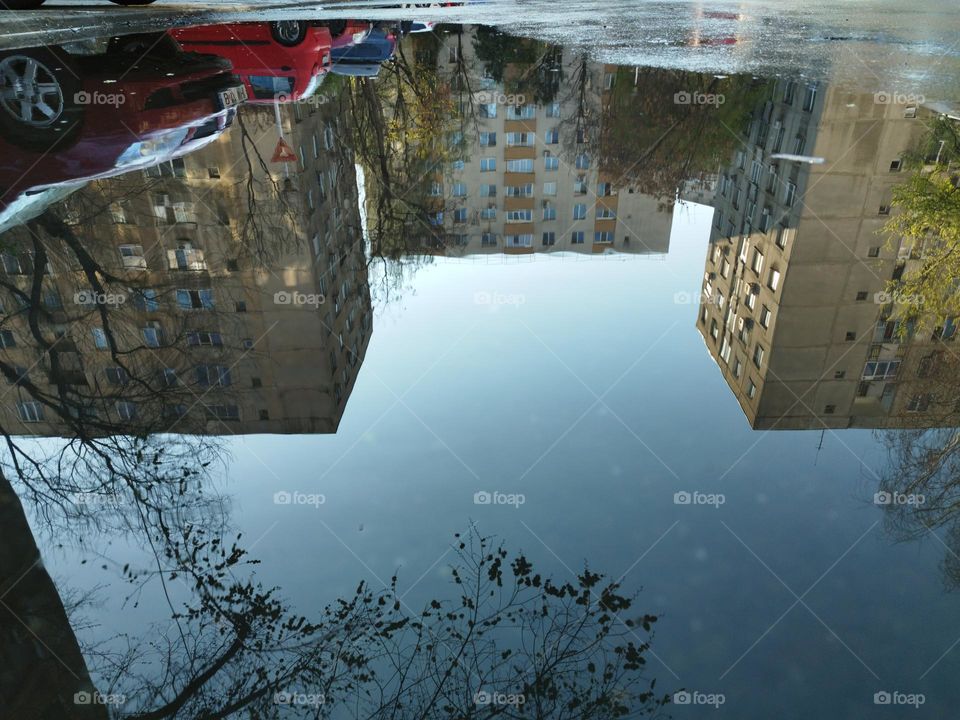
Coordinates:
283 153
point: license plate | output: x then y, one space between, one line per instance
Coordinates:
231 97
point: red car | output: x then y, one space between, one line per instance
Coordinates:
67 119
280 61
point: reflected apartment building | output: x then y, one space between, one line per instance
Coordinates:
794 309
250 274
527 182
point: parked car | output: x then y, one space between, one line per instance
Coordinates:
65 120
364 58
34 4
280 61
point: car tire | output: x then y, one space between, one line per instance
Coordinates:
54 103
289 32
336 27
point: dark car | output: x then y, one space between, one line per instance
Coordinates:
363 58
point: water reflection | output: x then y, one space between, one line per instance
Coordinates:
203 258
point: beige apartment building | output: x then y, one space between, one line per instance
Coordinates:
527 182
793 308
235 290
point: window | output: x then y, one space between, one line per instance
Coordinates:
781 239
829 409
117 376
118 213
756 263
30 411
582 162
213 172
874 251
131 256
488 164
579 211
880 370
549 189
223 412
168 376
809 98
460 215
604 189
577 238
765 316
489 213
525 240
605 213
884 210
99 338
213 375
436 189
725 350
488 240
549 211
725 269
201 299
750 300
145 299
737 368
488 191
552 137
714 329
6 339
126 410
459 189
240 306
862 295
213 339
520 166
580 186
488 139
839 374
919 403
790 194
520 139
11 264
773 282
550 162
751 389
20 374
519 215
553 110
895 166
758 356
603 237
186 257
152 335
549 238
519 190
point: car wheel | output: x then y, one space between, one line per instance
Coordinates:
289 32
336 27
41 103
